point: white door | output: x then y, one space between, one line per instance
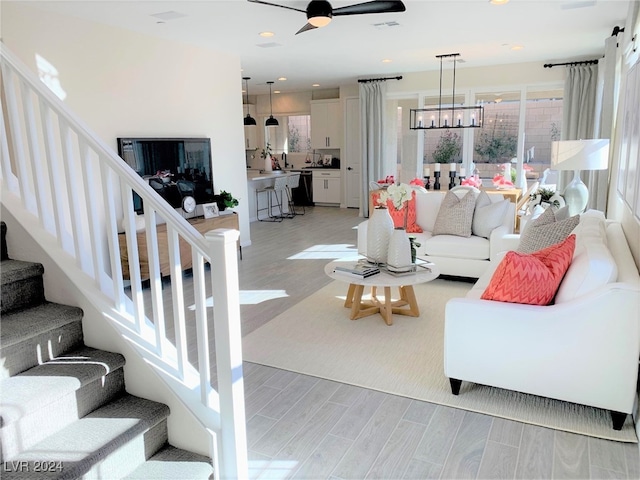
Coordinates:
352 155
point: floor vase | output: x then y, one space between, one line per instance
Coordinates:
379 229
399 251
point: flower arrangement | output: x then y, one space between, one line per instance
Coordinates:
472 182
500 182
398 194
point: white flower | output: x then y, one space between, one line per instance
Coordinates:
398 194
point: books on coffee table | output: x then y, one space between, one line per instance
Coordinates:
357 269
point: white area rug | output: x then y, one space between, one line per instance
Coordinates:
316 337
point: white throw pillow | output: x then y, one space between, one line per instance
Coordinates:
487 215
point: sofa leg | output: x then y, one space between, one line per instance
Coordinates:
455 385
618 419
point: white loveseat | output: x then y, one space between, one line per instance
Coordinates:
454 255
584 348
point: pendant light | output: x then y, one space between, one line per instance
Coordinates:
248 120
271 122
446 117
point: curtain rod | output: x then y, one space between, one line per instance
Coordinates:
366 80
584 62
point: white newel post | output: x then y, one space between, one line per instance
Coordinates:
232 443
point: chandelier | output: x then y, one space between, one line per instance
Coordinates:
446 117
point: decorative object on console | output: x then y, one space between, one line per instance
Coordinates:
579 155
531 279
379 228
500 182
473 181
436 176
452 175
225 200
548 229
455 215
210 210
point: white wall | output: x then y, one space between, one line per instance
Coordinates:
125 84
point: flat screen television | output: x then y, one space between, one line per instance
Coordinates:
174 167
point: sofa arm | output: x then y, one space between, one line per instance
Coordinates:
502 240
575 351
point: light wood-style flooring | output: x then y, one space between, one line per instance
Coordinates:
303 427
310 428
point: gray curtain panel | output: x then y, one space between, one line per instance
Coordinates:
579 111
372 126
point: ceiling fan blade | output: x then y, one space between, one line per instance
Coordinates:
276 5
375 6
307 27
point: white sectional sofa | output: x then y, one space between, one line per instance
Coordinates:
454 255
584 348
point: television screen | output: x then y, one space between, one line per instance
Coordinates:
174 167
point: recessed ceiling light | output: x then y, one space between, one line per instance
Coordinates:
282 79
171 15
315 85
276 91
266 34
387 60
498 2
517 47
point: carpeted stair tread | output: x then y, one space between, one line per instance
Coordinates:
78 447
17 270
21 325
39 386
173 463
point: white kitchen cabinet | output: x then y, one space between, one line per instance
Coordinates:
250 133
326 124
326 186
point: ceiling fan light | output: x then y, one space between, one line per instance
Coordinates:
319 13
320 21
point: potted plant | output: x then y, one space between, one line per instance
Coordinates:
225 200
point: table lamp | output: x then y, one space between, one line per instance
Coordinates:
579 155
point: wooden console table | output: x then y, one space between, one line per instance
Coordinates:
201 224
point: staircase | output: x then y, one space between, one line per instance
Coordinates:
64 411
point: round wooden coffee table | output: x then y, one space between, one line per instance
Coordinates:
386 307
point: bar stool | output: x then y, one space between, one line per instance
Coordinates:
279 186
293 181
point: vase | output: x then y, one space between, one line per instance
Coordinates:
399 251
379 228
268 165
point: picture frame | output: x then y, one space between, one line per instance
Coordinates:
210 210
327 159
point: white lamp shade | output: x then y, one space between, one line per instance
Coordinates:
580 154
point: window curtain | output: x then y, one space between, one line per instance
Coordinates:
609 73
579 111
372 131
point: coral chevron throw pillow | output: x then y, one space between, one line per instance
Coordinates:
398 215
531 278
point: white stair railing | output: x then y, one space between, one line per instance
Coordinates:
55 169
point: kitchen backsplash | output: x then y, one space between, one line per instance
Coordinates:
294 160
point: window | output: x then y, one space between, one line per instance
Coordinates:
293 134
542 126
442 145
